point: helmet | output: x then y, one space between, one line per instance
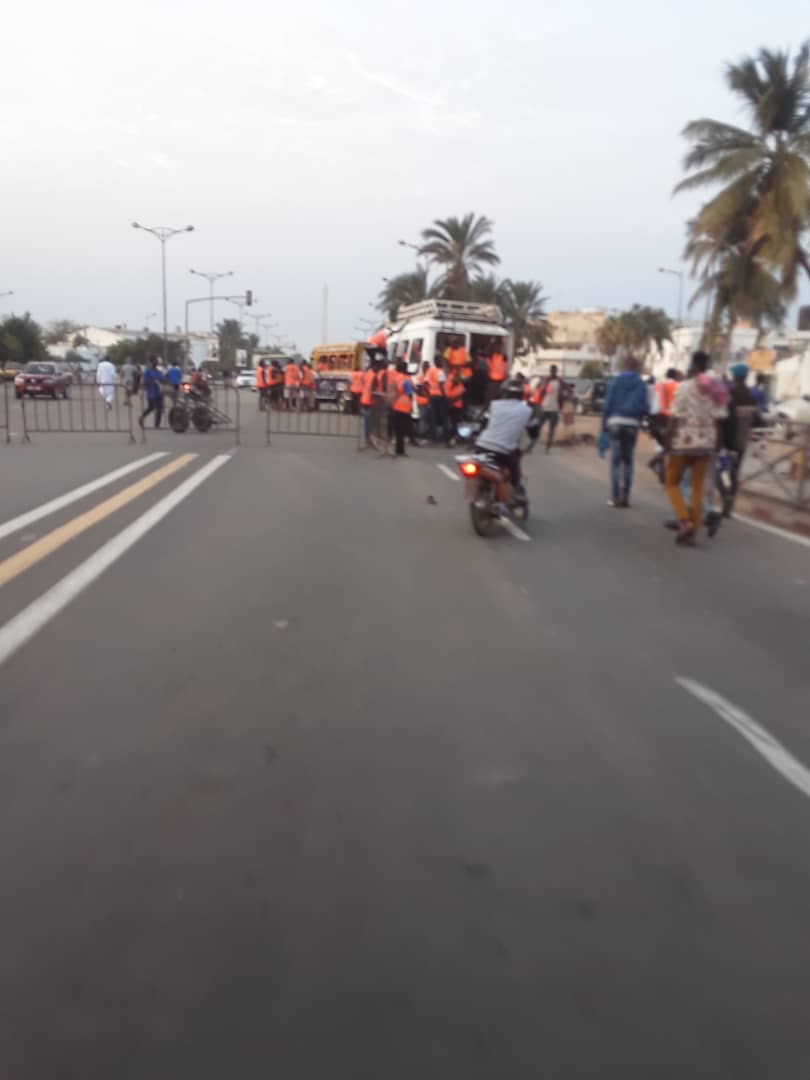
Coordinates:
513 388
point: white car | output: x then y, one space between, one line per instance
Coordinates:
787 417
246 379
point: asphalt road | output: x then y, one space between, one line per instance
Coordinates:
310 781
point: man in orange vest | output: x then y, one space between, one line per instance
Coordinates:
402 407
498 370
659 422
423 399
366 402
307 385
454 395
356 390
437 414
261 385
458 355
291 380
274 381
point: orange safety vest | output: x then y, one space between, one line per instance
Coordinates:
497 367
273 377
434 386
356 382
260 383
666 395
422 392
455 394
402 402
291 375
458 357
307 378
466 372
537 396
368 387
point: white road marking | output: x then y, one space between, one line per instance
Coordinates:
774 530
512 528
61 501
763 742
32 619
448 472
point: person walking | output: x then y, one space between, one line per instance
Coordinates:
174 378
692 444
550 398
660 419
152 379
106 379
626 405
743 411
403 402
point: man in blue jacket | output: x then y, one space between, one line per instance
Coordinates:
152 378
626 405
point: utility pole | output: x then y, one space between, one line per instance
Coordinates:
163 233
325 315
211 278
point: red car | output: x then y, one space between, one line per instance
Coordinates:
41 379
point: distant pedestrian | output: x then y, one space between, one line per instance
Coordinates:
152 380
454 395
129 379
106 379
292 379
759 392
437 415
403 403
174 380
356 390
692 445
626 405
664 395
549 399
743 413
261 385
367 403
497 370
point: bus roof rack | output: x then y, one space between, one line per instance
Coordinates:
457 310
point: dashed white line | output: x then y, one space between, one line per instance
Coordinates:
61 501
774 530
448 472
763 742
32 619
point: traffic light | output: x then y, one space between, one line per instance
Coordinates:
249 298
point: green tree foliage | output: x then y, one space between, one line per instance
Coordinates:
231 338
747 243
20 341
634 331
404 289
139 350
525 313
461 247
488 289
591 370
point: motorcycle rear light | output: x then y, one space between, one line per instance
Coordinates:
469 468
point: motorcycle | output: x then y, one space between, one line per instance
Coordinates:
490 493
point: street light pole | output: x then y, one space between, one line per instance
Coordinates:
679 275
9 293
211 278
163 233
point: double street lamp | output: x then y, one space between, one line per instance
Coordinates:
211 278
679 275
164 234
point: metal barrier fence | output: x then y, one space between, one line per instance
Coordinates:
5 419
298 418
778 465
112 409
82 410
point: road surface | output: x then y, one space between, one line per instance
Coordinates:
300 778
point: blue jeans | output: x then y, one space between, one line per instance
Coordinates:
622 445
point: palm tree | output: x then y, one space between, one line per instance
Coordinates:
461 246
488 289
765 171
634 331
524 309
407 288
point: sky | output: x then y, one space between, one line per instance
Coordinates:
303 140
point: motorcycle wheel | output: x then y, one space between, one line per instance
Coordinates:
521 513
483 522
201 418
178 419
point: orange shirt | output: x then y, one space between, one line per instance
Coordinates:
454 392
497 367
356 382
291 375
458 357
307 378
402 402
368 387
666 395
260 383
434 385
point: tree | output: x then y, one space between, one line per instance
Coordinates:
525 314
407 288
231 338
462 246
634 331
592 369
79 341
20 341
488 289
59 330
762 209
139 349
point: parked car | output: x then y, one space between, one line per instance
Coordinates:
788 417
246 379
39 379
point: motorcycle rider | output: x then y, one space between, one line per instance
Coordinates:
508 416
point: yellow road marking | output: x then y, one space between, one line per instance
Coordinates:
37 551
